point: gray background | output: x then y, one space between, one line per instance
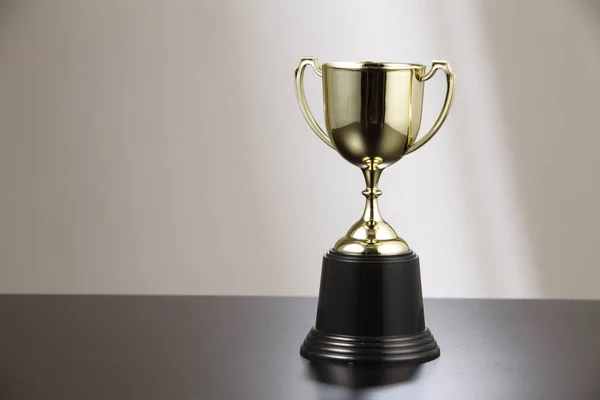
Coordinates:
157 147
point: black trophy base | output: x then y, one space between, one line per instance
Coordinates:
419 348
370 311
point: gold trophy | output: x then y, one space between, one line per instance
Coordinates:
370 303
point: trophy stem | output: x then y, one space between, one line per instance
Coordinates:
372 173
371 234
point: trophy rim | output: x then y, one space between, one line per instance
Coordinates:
362 65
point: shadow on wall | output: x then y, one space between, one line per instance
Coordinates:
546 58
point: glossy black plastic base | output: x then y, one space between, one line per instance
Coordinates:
370 311
419 348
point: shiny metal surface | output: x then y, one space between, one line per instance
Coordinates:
372 118
299 76
445 67
371 234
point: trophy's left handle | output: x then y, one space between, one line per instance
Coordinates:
444 66
299 75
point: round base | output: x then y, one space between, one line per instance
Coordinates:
370 310
419 348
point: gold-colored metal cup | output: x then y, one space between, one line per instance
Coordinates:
372 116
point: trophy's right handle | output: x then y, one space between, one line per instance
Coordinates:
444 66
301 96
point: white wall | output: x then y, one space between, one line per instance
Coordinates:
157 147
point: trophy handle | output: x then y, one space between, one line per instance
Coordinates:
299 75
444 66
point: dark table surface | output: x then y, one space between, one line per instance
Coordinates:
170 347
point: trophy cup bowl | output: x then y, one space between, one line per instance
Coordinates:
370 303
